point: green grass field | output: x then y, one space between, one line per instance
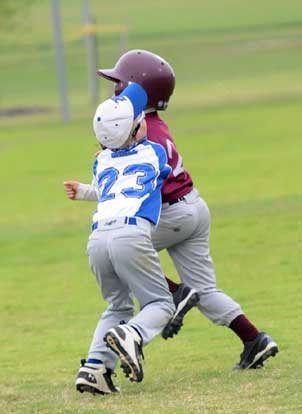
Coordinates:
236 118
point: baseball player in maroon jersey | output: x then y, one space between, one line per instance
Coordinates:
184 224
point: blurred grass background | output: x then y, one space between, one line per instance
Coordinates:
236 119
223 51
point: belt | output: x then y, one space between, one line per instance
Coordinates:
131 221
177 200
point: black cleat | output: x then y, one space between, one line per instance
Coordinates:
95 379
256 352
185 299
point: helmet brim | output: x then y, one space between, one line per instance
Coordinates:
109 74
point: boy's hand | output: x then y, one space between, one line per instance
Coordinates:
71 188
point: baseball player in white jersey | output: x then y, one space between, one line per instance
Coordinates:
127 175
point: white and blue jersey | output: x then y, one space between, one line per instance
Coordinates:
129 181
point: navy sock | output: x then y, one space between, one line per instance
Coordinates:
94 361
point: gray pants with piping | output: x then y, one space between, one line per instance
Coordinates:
125 263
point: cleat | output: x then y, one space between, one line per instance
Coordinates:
126 369
127 344
185 299
256 352
258 365
95 379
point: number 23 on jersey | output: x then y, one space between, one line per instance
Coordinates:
141 176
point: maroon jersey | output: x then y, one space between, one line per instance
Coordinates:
179 182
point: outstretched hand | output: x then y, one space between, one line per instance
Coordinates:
71 188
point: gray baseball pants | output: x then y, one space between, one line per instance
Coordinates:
183 230
125 263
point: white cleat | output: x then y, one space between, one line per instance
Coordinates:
127 344
95 379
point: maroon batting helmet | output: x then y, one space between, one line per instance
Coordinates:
151 71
